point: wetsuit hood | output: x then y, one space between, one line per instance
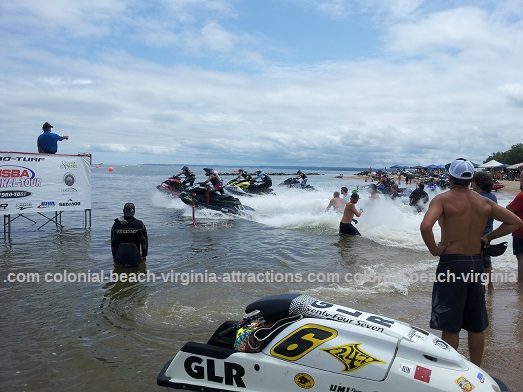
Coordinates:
124 220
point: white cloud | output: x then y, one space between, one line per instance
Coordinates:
513 94
203 89
460 29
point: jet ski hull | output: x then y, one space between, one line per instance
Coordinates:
171 187
196 196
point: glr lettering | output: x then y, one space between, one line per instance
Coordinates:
232 372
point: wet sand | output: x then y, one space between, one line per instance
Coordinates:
503 356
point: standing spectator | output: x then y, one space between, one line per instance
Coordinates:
128 238
462 215
47 142
483 183
516 206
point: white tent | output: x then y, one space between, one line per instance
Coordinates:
490 164
516 166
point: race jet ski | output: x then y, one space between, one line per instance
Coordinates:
497 185
293 342
172 186
245 188
196 195
295 183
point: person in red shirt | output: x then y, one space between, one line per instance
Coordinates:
516 206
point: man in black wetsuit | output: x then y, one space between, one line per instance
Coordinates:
261 182
128 237
303 176
189 176
243 175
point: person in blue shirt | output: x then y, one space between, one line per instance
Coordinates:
48 141
261 182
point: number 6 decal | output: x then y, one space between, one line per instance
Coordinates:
302 341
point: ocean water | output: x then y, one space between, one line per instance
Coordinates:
68 322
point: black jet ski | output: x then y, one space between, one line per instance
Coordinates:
196 196
295 183
245 188
172 186
295 342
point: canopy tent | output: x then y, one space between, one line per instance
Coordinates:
490 164
516 166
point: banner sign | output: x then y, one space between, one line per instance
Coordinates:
31 183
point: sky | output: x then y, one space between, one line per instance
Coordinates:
313 83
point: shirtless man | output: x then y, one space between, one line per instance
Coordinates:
337 203
350 210
458 295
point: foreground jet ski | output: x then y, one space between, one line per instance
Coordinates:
195 195
294 342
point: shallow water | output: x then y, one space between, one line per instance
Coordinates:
103 335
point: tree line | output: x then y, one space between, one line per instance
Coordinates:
512 156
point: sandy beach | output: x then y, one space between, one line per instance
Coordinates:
511 187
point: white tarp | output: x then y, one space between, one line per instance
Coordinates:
516 166
31 182
490 164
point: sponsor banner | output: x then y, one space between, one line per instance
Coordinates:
32 183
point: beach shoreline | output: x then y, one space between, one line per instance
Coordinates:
511 187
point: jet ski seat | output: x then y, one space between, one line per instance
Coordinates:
225 335
273 308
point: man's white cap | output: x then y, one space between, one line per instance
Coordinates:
461 169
